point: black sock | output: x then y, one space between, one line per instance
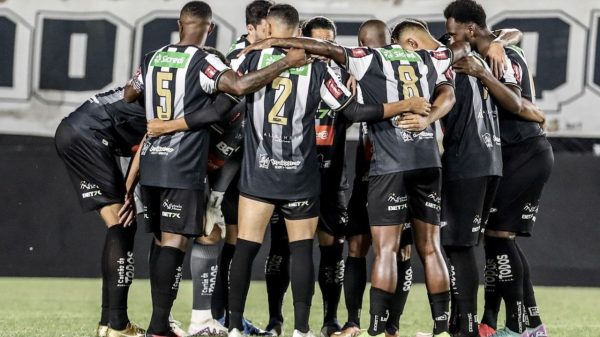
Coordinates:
440 307
492 297
239 280
303 281
380 302
104 314
405 276
277 270
355 282
510 278
331 278
221 293
532 313
465 282
120 267
166 275
204 267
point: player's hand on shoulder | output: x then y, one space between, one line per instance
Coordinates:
156 127
495 58
260 45
469 65
413 122
297 58
419 105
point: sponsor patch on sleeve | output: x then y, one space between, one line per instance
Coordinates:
333 88
210 71
358 52
440 54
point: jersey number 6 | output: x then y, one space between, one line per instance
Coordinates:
276 114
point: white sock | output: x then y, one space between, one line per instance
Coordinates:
201 316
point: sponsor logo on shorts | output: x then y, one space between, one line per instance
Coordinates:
477 223
264 162
398 202
435 201
92 189
171 210
487 140
529 211
323 163
496 140
224 148
299 203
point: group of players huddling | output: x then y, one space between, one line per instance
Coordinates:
224 154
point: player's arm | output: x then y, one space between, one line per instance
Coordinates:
459 50
232 83
134 87
442 104
496 54
127 212
357 112
195 120
312 46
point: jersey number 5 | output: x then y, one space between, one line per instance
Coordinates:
164 110
409 81
276 114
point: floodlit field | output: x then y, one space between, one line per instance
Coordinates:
58 307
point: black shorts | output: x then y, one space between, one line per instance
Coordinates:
333 216
466 206
358 217
95 172
173 210
299 209
527 167
397 198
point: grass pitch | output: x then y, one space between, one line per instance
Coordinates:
65 307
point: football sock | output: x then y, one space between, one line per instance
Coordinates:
221 293
531 309
120 266
405 277
239 280
303 281
331 278
277 272
103 267
492 297
167 275
379 303
510 278
204 266
440 307
355 282
465 281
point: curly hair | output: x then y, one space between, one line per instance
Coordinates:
466 11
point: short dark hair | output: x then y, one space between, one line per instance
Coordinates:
256 11
318 22
466 11
217 53
408 24
197 9
286 13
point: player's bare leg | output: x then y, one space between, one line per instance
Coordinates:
331 278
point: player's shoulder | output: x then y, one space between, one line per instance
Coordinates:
394 52
236 47
515 54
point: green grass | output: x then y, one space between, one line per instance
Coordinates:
57 307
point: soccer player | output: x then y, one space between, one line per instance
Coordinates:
524 145
405 166
280 167
88 141
472 163
176 80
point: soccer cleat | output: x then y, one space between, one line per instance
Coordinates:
506 332
252 330
539 331
297 333
101 330
486 330
131 330
365 333
176 326
235 333
171 333
429 334
330 328
211 327
348 330
275 328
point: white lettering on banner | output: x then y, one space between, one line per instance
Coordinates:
43 89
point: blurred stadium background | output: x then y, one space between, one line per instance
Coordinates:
54 54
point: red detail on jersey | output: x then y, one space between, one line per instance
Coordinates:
214 163
517 69
235 117
440 54
210 71
135 148
368 149
324 135
358 52
449 74
333 88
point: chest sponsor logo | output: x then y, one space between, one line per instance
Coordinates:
399 54
325 135
266 162
267 60
170 59
160 150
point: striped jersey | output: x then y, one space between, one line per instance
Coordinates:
514 129
235 49
471 131
177 80
226 137
111 121
280 157
390 74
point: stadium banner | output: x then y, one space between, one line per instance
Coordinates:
57 53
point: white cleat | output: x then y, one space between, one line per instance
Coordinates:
211 327
297 333
235 333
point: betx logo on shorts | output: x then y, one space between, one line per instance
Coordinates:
398 202
171 210
92 189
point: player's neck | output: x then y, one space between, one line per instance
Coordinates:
483 41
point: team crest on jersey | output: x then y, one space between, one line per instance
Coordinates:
210 71
359 52
334 89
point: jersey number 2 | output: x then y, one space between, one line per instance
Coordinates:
276 113
164 110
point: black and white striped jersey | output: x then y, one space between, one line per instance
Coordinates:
390 74
471 131
513 128
235 49
177 80
280 157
